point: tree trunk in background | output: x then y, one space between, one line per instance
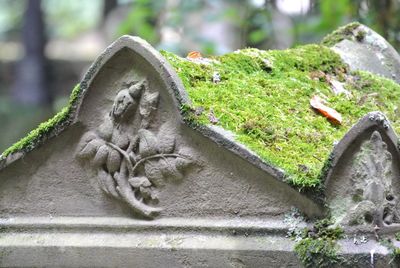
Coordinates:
31 78
108 5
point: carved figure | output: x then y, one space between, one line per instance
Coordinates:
132 164
372 195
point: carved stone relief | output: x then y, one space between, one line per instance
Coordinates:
133 161
372 198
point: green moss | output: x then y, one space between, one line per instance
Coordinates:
35 136
397 236
345 32
263 98
318 247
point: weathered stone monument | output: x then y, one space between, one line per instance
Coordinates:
131 173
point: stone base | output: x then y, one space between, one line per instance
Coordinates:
169 242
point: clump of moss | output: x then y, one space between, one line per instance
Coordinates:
318 246
397 236
268 108
345 32
35 136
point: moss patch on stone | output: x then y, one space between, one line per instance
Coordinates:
263 98
342 33
318 247
35 136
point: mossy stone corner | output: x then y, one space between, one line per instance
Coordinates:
208 155
364 49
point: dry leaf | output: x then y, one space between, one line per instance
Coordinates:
194 55
318 104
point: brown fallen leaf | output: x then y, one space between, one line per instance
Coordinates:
318 104
194 55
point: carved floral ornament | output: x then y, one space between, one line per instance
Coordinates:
133 161
373 198
372 195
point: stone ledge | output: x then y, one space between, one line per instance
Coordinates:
168 242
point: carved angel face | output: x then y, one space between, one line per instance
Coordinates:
123 101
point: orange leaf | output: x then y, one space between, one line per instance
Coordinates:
194 55
318 104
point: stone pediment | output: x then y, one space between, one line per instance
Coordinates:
126 162
130 148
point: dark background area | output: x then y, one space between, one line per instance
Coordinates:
46 45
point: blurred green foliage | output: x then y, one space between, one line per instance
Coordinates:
254 20
141 20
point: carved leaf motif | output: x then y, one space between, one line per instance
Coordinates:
137 182
113 161
101 156
89 136
136 88
153 172
147 143
182 163
148 104
107 183
105 130
147 193
132 163
186 151
166 139
169 170
90 149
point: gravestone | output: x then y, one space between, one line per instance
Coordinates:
121 178
364 49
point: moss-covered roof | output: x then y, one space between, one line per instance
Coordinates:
263 97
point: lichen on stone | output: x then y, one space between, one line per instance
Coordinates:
37 135
263 98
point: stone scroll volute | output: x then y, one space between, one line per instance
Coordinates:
131 158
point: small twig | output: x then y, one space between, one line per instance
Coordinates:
317 158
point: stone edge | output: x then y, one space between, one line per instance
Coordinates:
375 120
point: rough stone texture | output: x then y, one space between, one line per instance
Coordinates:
129 184
370 53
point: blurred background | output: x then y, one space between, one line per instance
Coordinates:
47 45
